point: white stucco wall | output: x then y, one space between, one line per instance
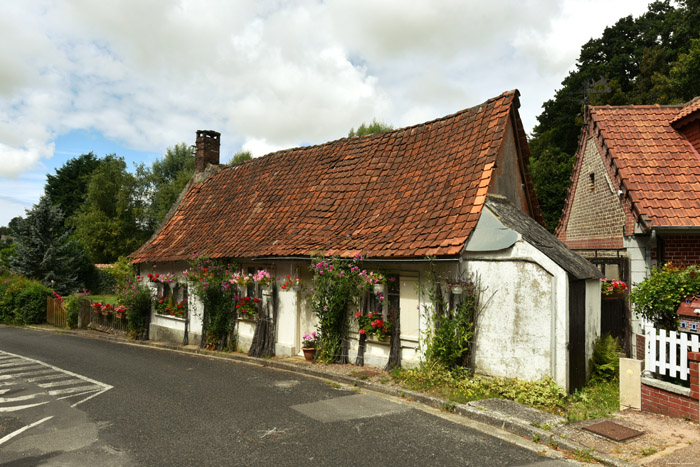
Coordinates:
523 326
639 254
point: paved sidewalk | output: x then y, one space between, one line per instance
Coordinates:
665 440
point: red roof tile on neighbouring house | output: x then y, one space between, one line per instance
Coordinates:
406 193
659 167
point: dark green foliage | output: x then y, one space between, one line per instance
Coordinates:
367 129
646 60
452 322
109 224
241 156
43 249
336 286
605 361
72 304
658 297
68 187
210 282
164 181
22 300
137 299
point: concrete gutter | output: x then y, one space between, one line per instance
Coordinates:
520 420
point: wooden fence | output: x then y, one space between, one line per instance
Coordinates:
667 352
55 313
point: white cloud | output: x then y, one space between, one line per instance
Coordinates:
271 74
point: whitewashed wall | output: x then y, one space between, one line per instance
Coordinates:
523 326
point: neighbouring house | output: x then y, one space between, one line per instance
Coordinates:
634 198
454 192
689 315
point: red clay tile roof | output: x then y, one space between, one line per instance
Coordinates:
406 193
657 165
691 107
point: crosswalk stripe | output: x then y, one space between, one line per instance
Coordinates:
59 383
21 407
15 375
90 388
12 363
23 367
16 399
45 377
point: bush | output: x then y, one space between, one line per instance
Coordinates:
72 304
657 297
605 361
23 301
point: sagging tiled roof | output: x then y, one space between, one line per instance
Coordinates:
657 166
407 193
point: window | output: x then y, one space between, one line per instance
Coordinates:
684 324
592 177
694 326
391 299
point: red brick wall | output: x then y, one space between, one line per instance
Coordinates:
657 400
681 249
640 351
692 133
596 218
675 405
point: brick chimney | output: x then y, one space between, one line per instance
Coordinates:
207 149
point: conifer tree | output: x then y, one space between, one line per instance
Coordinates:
44 250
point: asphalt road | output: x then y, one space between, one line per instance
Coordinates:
116 404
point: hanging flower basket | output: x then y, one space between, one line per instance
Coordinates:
612 289
379 288
457 290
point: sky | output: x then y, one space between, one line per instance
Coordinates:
134 77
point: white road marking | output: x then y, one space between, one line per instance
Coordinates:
24 428
45 377
95 388
59 383
21 407
15 375
58 392
24 366
16 399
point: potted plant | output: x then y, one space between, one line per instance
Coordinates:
308 346
263 278
97 307
120 311
612 288
289 283
247 307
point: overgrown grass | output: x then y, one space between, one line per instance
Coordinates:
598 399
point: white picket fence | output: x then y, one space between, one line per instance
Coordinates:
667 351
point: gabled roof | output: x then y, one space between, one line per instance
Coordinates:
539 237
407 193
652 161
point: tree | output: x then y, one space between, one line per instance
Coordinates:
647 60
111 221
241 156
43 249
164 182
374 127
67 188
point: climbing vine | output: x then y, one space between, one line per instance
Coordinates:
337 284
212 283
452 319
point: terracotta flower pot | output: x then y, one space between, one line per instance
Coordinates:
309 353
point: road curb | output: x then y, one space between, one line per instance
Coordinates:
513 425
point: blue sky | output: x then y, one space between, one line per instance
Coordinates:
133 77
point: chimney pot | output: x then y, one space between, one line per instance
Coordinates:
207 149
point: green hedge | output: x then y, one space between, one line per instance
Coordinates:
22 300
